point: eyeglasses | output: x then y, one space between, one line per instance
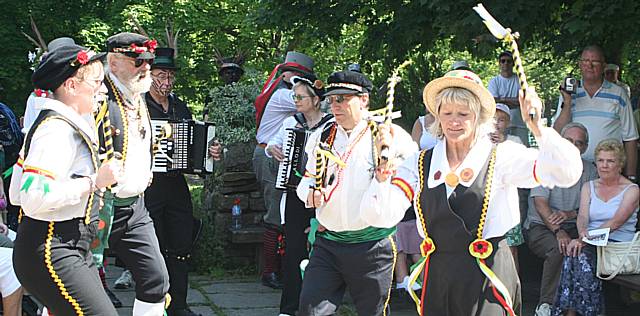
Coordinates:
339 98
297 97
593 63
506 61
93 83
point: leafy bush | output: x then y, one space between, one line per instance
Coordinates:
231 108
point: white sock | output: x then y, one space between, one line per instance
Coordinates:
403 284
141 308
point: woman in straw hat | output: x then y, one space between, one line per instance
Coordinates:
464 192
57 182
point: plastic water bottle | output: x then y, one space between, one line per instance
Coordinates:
236 215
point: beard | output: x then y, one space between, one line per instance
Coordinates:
137 83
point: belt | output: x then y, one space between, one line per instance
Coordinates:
262 145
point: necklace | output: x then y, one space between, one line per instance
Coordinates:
132 112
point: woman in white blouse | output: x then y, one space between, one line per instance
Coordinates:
56 181
464 192
306 93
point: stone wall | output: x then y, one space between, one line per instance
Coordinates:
235 179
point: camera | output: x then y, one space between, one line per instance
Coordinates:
570 85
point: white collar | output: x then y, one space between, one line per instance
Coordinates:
474 161
83 122
356 129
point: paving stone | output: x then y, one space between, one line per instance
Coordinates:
203 310
245 300
237 287
126 296
194 297
252 312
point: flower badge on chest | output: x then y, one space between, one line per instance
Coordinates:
480 248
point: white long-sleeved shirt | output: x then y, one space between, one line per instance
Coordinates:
56 152
279 107
344 208
137 165
278 140
556 163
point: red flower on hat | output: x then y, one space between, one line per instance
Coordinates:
480 248
151 45
83 57
137 49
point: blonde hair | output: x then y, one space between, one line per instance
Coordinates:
612 145
89 69
455 95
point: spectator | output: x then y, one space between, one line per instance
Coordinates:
460 65
602 107
9 285
503 120
611 73
609 202
504 88
551 221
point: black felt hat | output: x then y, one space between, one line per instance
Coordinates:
164 59
348 82
132 44
60 64
298 62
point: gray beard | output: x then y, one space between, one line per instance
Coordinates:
138 86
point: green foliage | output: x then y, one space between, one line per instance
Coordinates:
231 108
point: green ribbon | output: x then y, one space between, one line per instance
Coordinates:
7 173
358 236
101 241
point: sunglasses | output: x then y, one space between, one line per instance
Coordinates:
297 97
339 98
139 62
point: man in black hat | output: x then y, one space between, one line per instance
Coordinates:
168 199
273 106
133 236
353 247
230 71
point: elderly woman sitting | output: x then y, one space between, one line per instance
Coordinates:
609 202
466 196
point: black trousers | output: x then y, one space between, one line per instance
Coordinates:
134 239
365 268
53 262
296 221
169 203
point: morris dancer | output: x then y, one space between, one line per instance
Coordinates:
356 250
133 236
466 196
56 183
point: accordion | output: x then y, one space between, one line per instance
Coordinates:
182 146
292 166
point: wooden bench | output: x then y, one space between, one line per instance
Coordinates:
630 281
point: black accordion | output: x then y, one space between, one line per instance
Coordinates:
182 146
292 167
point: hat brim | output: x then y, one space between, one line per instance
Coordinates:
341 91
434 87
294 69
98 56
168 67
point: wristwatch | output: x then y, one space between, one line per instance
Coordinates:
555 231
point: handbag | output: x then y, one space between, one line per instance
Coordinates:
619 258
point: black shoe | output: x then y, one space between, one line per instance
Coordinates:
271 280
114 299
182 312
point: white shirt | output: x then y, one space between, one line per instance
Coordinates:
279 107
137 165
502 87
344 208
608 114
278 140
56 149
34 105
557 163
